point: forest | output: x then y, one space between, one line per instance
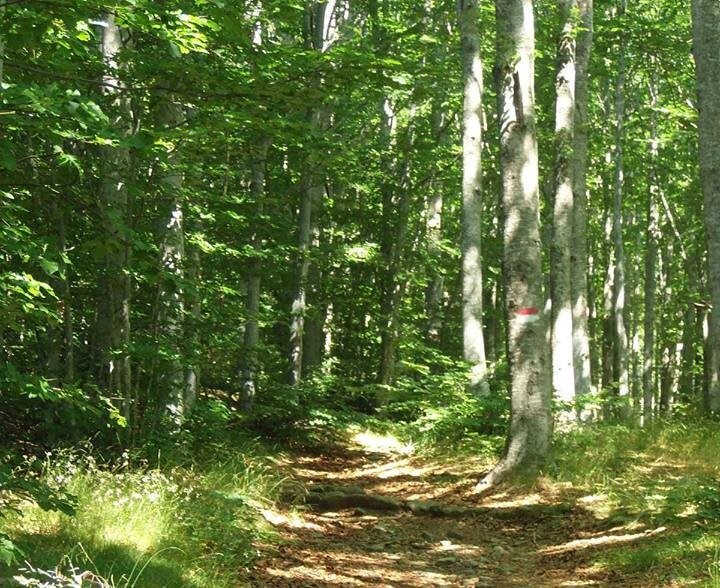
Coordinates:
345 293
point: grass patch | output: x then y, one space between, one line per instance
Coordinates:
194 523
664 477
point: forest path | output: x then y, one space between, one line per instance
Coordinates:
536 539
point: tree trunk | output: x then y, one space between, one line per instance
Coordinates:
394 290
620 341
62 341
563 374
434 225
172 260
192 322
706 48
608 325
651 237
579 250
248 384
473 341
396 209
297 325
530 417
319 34
113 324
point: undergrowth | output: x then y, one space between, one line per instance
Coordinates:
665 478
179 520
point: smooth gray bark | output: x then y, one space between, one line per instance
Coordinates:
608 326
706 48
530 418
620 342
434 230
563 373
579 251
394 284
113 325
652 236
320 33
473 340
192 323
248 386
171 313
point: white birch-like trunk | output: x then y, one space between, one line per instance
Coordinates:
563 373
473 340
706 48
530 414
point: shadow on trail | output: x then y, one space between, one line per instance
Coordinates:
510 541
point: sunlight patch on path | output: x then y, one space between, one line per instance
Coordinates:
385 444
581 544
379 570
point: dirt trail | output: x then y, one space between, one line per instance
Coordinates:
525 544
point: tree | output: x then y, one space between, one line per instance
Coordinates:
563 377
530 430
171 309
113 317
473 340
706 48
579 251
620 338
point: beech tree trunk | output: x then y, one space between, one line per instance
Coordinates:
620 341
434 226
563 374
172 260
192 325
113 323
530 417
473 340
706 48
652 235
579 250
248 385
320 28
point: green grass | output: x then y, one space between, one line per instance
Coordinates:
190 522
665 476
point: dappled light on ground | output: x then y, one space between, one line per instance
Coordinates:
603 540
550 535
372 442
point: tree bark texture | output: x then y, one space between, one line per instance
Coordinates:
563 374
113 322
531 420
651 237
579 250
620 341
706 48
172 261
473 340
248 384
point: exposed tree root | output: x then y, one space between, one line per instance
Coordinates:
324 499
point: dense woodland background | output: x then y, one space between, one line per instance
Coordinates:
224 220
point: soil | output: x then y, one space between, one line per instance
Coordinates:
545 536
